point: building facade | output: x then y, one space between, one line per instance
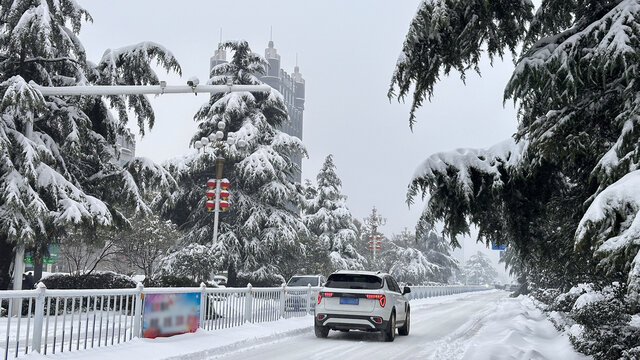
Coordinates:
127 149
292 88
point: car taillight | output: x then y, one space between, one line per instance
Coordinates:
325 294
381 298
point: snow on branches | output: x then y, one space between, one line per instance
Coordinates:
59 163
448 34
611 226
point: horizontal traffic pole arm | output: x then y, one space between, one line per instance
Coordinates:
101 90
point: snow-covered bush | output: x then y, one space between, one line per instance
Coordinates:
260 279
545 296
564 302
596 307
193 260
96 280
603 317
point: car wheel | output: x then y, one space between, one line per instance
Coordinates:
390 333
404 330
321 331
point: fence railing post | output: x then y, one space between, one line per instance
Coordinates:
137 318
36 340
203 304
308 298
248 305
283 299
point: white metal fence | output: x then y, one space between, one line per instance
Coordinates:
51 321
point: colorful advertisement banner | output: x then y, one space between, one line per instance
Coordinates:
170 314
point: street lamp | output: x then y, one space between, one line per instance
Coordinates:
217 193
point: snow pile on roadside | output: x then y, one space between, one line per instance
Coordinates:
519 330
200 344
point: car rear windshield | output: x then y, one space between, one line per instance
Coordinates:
303 281
354 281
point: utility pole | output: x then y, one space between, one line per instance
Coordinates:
373 222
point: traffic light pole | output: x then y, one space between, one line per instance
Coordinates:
219 165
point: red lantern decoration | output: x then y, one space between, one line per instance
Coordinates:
211 183
224 194
224 183
224 205
210 204
211 194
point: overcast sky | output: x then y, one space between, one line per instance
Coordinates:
346 52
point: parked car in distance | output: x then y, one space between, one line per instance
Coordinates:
220 280
362 300
296 300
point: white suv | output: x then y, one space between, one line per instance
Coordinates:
362 300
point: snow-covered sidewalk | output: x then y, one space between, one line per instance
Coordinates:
485 325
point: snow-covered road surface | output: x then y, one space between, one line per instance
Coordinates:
484 325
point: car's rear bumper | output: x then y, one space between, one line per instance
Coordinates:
350 322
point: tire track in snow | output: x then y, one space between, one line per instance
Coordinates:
455 345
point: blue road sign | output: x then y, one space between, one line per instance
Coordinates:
498 247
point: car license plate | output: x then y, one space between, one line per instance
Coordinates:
349 301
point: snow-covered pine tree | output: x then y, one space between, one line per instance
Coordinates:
478 270
66 172
260 229
576 87
438 252
329 219
401 257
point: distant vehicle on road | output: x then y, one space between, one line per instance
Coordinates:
296 301
362 300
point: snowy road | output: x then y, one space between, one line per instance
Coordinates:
431 323
441 329
484 325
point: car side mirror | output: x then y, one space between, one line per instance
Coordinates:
406 290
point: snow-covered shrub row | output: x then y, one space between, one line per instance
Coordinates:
170 281
260 279
597 319
95 280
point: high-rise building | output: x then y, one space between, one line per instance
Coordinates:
127 149
292 88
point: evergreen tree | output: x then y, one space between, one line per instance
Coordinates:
421 260
66 171
578 135
329 219
563 194
402 258
478 270
437 251
260 230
